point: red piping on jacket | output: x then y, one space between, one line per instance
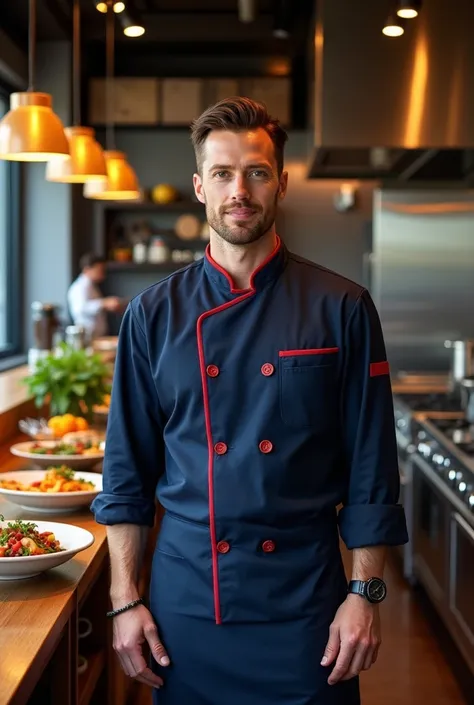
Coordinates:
307 351
207 411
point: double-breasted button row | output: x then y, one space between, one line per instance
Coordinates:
220 448
267 546
267 369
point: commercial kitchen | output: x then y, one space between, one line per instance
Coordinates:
96 100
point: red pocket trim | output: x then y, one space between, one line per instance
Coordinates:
379 368
307 351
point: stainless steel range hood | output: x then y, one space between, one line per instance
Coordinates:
386 107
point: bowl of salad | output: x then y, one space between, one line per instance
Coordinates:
30 548
73 453
54 490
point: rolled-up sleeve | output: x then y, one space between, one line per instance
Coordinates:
371 514
134 451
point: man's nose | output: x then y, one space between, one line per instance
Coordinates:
240 190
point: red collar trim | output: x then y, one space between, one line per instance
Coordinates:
233 288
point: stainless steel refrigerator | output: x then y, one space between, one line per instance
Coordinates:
421 274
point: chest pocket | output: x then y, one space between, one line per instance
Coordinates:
308 387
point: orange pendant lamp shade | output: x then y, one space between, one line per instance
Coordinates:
121 184
87 157
31 131
86 162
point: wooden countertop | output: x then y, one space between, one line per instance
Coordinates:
33 612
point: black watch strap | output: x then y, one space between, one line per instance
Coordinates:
357 587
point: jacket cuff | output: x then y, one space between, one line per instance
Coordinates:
112 509
363 525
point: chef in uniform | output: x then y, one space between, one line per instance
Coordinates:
252 397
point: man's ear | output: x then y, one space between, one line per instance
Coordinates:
198 188
283 185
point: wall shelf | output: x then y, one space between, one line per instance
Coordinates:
174 207
158 268
87 681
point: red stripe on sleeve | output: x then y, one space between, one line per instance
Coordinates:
379 368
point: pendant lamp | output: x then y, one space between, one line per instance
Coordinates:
122 183
87 158
31 131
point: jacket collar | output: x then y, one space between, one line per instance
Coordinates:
269 270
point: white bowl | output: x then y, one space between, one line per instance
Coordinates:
22 450
49 502
72 538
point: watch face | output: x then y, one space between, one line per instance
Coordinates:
376 590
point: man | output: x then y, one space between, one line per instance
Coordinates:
252 388
86 303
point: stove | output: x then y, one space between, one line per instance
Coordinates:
447 446
459 432
407 405
442 520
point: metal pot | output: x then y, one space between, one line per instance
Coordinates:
462 362
467 398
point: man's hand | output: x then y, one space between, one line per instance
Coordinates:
354 639
131 629
112 304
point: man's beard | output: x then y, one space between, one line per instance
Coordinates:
242 232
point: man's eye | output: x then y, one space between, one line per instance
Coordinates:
259 173
221 174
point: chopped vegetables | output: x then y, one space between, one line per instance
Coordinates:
21 538
78 448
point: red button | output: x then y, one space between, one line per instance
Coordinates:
267 369
220 448
266 446
223 547
212 370
268 546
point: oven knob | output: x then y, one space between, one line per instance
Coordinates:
424 449
438 459
462 487
401 423
452 475
471 501
447 463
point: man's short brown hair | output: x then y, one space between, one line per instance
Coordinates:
237 115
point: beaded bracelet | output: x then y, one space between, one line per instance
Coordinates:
114 613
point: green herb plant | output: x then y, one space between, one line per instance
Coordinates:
70 381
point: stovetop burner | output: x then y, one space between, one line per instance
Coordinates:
459 431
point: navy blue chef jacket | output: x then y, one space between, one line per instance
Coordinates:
252 415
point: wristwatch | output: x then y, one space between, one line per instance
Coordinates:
374 590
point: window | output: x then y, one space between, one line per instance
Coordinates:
10 279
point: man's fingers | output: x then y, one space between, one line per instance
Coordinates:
358 660
150 678
137 668
369 658
157 649
343 661
332 647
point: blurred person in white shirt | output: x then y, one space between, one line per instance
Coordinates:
87 305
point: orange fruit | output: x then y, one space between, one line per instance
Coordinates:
81 424
67 424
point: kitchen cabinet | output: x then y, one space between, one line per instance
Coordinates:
134 101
